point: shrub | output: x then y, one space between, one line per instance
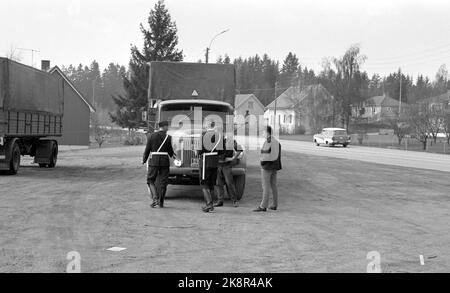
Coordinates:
300 130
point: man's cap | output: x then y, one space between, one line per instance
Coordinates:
163 124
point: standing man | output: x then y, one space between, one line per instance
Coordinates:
270 165
156 155
208 162
227 160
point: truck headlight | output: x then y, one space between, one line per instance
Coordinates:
177 163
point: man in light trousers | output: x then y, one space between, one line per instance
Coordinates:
270 165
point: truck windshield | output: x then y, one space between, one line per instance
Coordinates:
169 111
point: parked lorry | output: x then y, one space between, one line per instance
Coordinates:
178 89
31 109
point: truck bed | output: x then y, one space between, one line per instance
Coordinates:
31 101
29 124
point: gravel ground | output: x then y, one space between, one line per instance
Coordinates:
332 213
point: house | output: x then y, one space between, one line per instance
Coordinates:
377 108
439 102
77 111
248 105
307 110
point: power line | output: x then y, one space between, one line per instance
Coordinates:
412 53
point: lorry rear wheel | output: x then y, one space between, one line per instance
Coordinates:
14 164
239 184
53 156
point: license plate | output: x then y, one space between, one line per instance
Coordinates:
194 162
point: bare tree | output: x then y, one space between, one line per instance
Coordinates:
399 123
348 89
419 120
100 121
436 116
446 123
14 54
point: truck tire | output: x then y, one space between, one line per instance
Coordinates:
53 155
239 184
14 163
47 153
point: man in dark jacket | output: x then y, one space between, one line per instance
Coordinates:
208 162
156 155
270 165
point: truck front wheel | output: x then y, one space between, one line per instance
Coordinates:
239 184
14 163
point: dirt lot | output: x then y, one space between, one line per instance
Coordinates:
332 213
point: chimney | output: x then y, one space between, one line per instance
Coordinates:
45 65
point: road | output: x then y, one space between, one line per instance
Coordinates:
421 160
332 213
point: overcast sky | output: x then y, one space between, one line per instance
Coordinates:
412 34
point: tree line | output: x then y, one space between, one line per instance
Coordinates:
97 86
123 91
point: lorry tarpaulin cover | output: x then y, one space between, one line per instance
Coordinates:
179 80
24 88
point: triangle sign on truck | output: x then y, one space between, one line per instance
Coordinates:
195 93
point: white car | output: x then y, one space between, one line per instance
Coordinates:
332 137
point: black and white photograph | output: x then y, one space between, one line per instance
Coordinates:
236 138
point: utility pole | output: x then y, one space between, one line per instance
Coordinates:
400 98
207 55
93 90
275 110
32 54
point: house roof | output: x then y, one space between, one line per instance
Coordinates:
291 97
59 71
382 101
444 98
285 100
241 99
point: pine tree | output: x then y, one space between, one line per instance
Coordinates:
160 44
289 70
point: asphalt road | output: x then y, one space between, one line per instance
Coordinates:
332 213
421 160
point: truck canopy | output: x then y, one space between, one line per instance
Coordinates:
26 89
180 80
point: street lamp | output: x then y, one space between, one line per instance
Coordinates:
210 43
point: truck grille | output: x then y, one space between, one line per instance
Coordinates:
188 152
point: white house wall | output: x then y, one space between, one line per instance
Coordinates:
244 107
285 124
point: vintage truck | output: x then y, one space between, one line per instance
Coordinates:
184 94
31 108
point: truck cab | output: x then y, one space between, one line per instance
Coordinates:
185 119
185 95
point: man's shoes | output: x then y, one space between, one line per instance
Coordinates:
218 204
161 205
273 208
236 203
260 209
207 209
154 205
